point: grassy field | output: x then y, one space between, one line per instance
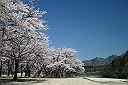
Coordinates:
65 81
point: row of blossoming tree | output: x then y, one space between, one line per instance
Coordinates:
24 45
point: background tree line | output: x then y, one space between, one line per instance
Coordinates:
112 67
118 68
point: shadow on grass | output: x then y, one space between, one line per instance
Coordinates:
21 81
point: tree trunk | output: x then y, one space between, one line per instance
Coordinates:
1 69
38 73
26 73
9 68
29 73
16 70
21 70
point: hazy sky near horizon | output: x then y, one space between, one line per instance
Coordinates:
96 28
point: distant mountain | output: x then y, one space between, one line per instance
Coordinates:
109 59
95 61
100 61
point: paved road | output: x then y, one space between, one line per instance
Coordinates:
87 81
73 81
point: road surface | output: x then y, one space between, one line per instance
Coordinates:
71 81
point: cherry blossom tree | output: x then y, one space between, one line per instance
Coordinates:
20 31
24 43
63 61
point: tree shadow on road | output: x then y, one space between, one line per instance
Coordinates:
21 81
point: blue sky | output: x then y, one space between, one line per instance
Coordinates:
96 28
